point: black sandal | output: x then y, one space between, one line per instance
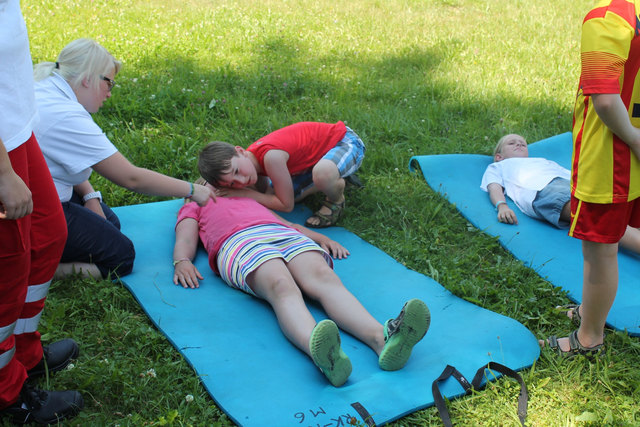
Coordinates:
575 348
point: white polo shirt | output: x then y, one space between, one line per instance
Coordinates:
522 178
69 138
17 103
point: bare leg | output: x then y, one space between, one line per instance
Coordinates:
309 191
273 282
599 288
326 179
84 269
631 240
319 282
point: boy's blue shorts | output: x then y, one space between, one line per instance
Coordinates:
347 155
551 199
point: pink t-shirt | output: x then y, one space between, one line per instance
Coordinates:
305 142
219 220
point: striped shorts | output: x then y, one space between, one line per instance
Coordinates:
347 155
248 249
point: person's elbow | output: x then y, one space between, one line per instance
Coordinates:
288 207
131 180
603 102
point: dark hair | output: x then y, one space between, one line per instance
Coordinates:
215 160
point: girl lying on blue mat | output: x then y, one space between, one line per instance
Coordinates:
539 187
258 252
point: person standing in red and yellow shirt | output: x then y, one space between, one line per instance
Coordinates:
605 175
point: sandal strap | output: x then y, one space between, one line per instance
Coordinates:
333 206
327 219
577 347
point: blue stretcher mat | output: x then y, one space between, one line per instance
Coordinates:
549 251
258 378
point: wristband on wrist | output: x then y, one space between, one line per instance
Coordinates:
190 190
92 195
178 261
500 202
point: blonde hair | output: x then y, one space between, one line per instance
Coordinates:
504 139
79 60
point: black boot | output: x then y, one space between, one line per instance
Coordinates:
56 356
44 407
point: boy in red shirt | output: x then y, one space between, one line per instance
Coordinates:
299 160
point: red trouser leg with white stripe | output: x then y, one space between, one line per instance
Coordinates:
29 255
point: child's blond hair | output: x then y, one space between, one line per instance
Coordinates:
504 139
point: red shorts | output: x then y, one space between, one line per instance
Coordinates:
603 223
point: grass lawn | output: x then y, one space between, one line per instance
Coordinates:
410 77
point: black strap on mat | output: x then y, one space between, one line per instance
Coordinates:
450 371
366 417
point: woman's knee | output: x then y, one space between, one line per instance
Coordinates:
126 257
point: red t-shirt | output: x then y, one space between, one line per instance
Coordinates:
305 142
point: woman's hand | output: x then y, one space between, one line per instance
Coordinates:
202 194
186 274
95 206
15 197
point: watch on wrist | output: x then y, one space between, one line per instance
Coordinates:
92 195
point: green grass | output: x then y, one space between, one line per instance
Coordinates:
410 77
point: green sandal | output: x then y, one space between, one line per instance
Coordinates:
402 333
574 309
575 348
327 354
324 219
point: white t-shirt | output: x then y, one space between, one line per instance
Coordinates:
17 103
522 178
69 138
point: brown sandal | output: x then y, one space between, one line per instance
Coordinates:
324 219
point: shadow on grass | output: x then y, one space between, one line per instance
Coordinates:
392 102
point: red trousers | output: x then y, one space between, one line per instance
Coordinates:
30 250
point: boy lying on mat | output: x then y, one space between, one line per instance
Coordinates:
539 187
264 255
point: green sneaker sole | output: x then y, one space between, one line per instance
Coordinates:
327 353
414 321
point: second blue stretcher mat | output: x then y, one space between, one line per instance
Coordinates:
549 251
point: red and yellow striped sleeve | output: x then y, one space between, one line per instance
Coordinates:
603 168
607 32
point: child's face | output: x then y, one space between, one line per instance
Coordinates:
513 146
242 172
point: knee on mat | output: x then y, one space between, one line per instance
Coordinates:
123 265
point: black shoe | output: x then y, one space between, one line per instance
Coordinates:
354 180
44 407
56 356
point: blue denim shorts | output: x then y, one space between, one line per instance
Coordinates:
551 199
347 155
